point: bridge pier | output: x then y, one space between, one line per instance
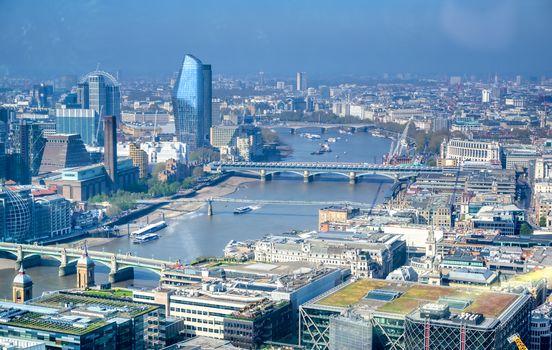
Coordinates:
352 178
323 130
121 275
31 261
209 208
292 131
66 270
264 176
307 176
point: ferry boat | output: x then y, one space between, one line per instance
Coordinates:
332 140
150 228
242 210
145 238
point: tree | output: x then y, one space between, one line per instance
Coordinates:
525 229
542 221
204 155
197 172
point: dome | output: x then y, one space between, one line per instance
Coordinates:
22 277
85 260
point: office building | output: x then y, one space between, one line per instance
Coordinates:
51 217
85 122
468 150
139 159
28 144
110 148
91 322
100 91
15 214
301 81
368 255
192 89
10 343
207 101
64 151
42 95
404 316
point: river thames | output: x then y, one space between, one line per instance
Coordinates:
197 234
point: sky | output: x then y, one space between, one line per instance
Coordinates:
325 38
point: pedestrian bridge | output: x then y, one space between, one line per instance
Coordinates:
121 266
308 170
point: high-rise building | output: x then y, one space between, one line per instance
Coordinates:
301 83
100 91
139 158
22 287
42 95
85 122
64 151
110 147
192 116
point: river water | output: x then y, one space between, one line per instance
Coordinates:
197 234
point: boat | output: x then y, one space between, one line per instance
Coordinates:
242 210
378 134
325 148
145 238
312 136
332 140
150 228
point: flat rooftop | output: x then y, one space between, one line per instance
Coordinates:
403 298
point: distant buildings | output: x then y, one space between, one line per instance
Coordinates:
237 141
301 81
85 122
192 102
100 91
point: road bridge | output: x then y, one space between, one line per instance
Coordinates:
121 266
309 170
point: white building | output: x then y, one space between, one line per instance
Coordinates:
468 150
485 96
159 152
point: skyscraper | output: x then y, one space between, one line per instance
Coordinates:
110 147
192 102
85 122
99 90
301 84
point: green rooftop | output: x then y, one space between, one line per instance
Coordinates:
481 300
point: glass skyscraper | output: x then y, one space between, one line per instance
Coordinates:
192 102
100 91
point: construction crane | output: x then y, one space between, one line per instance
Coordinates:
100 121
399 149
515 338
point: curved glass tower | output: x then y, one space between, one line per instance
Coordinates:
191 98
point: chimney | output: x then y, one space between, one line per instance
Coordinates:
110 147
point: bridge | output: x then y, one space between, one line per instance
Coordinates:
309 170
323 127
121 266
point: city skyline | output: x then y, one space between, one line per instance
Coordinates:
323 38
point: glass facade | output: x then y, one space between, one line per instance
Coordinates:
191 94
15 215
84 122
100 91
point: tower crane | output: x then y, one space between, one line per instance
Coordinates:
100 121
515 338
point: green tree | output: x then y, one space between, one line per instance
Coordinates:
525 229
197 172
204 155
542 221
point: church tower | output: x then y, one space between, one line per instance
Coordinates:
85 270
431 244
22 287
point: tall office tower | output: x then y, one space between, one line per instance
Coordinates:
192 102
301 84
15 215
64 151
100 91
4 130
42 95
207 101
25 152
85 122
110 147
29 142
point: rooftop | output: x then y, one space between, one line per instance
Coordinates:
403 298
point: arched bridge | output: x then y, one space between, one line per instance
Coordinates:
121 266
308 170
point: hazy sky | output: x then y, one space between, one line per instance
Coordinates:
326 38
